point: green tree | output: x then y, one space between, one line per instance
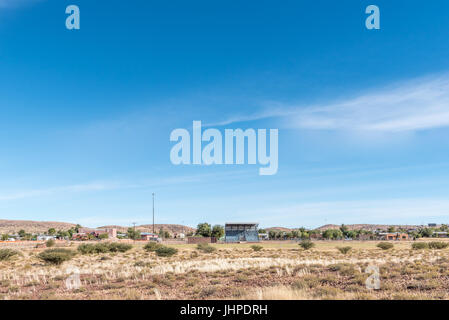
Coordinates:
133 234
204 229
344 229
5 237
305 235
22 233
27 236
333 234
62 234
426 232
51 231
391 229
103 236
262 231
272 234
218 231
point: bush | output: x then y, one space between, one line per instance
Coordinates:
86 248
420 245
152 246
385 245
89 248
164 251
6 254
119 247
101 248
256 247
50 243
56 256
438 245
205 247
344 250
306 244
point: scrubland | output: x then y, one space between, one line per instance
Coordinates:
275 271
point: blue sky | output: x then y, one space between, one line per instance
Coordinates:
86 115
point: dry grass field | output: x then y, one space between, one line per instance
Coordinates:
277 271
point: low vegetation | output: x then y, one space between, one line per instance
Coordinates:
56 256
89 248
151 246
306 244
420 245
438 245
50 243
164 251
344 250
6 254
205 247
256 247
385 245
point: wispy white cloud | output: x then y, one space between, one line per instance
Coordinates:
61 189
115 185
414 105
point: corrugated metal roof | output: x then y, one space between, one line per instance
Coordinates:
242 223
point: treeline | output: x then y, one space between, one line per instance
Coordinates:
344 233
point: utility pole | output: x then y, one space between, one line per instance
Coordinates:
134 233
153 212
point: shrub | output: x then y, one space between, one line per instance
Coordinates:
256 247
438 245
50 243
385 245
344 250
420 245
152 246
88 248
205 247
6 254
119 247
306 244
56 256
164 251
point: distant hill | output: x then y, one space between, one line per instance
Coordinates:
171 228
277 229
13 226
370 227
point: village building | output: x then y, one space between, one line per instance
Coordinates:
85 232
241 232
148 236
393 236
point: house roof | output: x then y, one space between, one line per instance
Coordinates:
241 223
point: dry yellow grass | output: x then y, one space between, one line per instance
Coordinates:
278 271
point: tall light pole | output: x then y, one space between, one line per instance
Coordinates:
134 232
153 212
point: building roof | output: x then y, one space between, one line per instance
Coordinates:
241 223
